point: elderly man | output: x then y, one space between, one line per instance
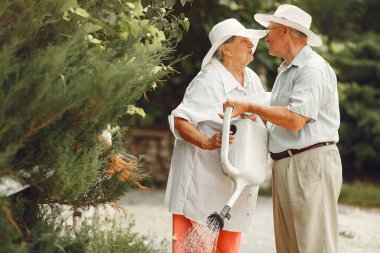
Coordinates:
196 185
303 122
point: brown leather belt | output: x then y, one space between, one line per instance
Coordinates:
292 152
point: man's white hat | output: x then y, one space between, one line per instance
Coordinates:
294 17
225 30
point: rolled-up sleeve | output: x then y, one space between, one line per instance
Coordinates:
195 107
306 94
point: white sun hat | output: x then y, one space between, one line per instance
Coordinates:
294 17
225 30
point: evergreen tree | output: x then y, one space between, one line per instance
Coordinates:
358 63
71 71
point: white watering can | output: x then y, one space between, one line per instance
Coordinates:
244 161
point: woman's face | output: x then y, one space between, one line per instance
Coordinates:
240 50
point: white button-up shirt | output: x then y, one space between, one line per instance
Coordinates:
307 86
196 186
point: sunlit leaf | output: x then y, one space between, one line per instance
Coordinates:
186 24
90 28
67 4
183 2
124 35
133 110
170 3
81 12
66 16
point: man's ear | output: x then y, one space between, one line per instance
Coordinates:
286 30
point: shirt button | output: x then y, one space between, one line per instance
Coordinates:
247 214
250 195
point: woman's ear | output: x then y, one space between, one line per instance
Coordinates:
225 49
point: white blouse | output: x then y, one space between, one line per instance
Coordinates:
196 185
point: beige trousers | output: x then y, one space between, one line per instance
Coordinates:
305 201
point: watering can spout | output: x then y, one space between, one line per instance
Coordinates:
215 221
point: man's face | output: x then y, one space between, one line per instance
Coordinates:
274 39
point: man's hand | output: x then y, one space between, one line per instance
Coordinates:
238 107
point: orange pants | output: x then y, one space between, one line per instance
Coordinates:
228 242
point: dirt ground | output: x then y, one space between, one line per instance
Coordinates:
359 228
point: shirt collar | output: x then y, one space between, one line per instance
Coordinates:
298 60
228 80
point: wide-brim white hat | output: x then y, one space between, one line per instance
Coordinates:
225 30
294 17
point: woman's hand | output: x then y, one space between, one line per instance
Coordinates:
215 141
252 117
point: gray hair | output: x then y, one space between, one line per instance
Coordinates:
297 34
218 53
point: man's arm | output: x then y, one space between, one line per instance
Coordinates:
278 115
191 134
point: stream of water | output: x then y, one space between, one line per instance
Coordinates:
201 239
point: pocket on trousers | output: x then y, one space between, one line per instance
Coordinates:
311 168
334 164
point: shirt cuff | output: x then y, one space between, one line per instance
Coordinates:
172 127
302 111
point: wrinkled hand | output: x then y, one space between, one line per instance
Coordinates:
238 107
215 141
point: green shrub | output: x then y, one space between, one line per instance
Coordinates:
115 240
360 194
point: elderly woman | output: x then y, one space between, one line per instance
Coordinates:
196 185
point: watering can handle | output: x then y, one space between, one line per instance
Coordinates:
227 166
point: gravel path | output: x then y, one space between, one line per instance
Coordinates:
359 228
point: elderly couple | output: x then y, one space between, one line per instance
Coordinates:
302 119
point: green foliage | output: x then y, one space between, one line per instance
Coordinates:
119 240
50 235
9 237
365 49
330 16
68 71
360 194
71 72
360 129
357 62
115 236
